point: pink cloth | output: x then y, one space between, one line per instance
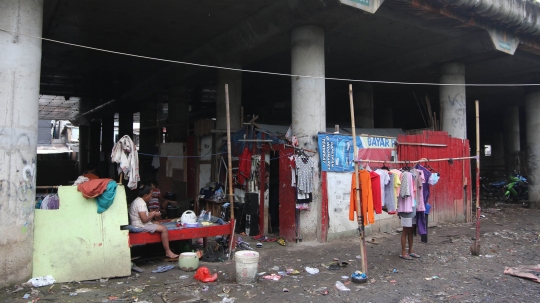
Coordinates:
376 190
405 204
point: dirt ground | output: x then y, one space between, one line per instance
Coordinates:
446 271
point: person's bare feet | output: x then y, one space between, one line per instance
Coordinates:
171 255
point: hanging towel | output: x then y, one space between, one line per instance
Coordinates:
124 152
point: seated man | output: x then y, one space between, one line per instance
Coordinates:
141 219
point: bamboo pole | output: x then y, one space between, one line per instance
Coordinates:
357 190
229 170
475 250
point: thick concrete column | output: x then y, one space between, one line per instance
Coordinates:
125 124
511 129
363 105
497 151
309 108
234 80
94 144
452 100
107 143
20 63
178 119
532 116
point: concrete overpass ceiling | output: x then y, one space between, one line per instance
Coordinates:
400 42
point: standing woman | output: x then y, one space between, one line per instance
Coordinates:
142 219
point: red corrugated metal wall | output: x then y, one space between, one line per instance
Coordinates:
451 196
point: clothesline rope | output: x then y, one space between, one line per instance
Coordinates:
272 73
416 161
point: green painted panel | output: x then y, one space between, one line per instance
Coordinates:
75 243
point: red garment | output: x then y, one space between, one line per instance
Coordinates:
244 166
376 188
93 188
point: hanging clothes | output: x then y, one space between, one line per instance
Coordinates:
406 194
376 189
304 171
397 185
125 154
385 180
366 198
389 194
244 166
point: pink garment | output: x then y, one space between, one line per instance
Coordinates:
376 190
420 193
405 204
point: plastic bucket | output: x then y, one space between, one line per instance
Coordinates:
247 263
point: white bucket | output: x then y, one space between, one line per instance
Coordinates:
247 263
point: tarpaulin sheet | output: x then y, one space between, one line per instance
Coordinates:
337 153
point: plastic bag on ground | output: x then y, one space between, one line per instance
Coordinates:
203 274
41 281
341 286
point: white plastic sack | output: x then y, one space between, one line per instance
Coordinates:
312 270
42 281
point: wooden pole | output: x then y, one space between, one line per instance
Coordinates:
475 249
229 170
358 190
229 156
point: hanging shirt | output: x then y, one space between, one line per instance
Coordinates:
366 198
244 166
376 189
425 185
385 180
406 195
304 170
389 194
434 179
397 184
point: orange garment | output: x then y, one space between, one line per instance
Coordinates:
366 198
91 176
93 188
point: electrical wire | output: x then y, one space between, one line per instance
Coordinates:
270 73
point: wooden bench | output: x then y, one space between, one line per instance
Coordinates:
184 234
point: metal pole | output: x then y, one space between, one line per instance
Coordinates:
358 190
475 250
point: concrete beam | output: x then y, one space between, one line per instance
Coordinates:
244 36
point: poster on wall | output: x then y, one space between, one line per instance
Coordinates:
337 153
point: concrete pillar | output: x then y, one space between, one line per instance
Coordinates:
125 124
497 152
20 63
234 80
94 144
452 100
532 118
178 119
84 133
107 143
363 105
309 108
512 143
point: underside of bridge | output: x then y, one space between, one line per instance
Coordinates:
404 41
